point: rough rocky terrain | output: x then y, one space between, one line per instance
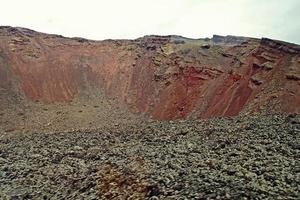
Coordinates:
254 157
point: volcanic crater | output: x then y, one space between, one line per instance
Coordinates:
157 117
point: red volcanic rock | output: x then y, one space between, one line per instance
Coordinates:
165 77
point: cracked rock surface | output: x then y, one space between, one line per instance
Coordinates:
255 157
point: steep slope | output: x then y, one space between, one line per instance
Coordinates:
164 77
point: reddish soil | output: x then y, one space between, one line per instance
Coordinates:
163 77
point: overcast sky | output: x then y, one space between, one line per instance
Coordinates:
126 19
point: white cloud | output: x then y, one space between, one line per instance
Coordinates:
102 19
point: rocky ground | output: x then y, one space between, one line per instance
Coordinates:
223 158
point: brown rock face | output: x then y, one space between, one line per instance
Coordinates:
165 77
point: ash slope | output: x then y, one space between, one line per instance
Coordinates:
163 77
